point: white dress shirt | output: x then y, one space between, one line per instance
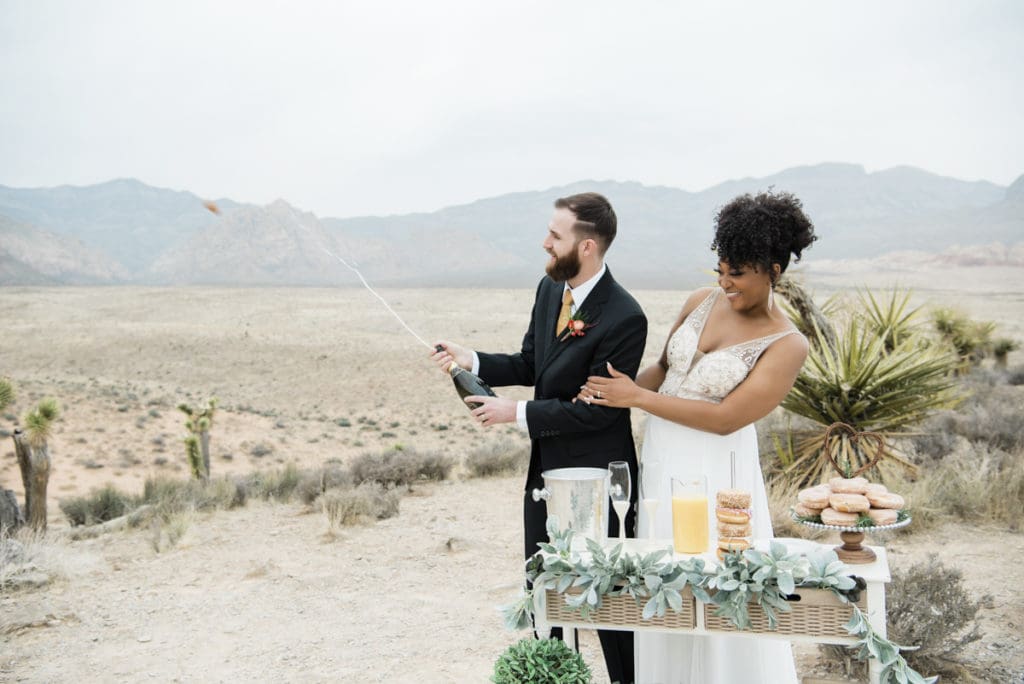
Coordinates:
579 295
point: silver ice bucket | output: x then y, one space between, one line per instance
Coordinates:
578 497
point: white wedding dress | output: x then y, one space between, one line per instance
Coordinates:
672 450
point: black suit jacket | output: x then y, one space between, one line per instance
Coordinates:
565 434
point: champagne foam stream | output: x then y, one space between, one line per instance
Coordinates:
382 300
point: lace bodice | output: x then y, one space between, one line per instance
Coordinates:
710 377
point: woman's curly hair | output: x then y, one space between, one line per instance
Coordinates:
762 230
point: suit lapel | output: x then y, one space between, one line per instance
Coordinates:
591 311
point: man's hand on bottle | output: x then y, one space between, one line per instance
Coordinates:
493 410
452 352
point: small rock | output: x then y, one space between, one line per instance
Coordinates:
144 639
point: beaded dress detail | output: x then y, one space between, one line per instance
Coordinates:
710 377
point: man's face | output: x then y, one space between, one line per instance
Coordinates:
563 246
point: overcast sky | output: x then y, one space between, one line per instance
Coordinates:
376 107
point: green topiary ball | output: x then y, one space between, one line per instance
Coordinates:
540 661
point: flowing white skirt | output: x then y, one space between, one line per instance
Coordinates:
671 450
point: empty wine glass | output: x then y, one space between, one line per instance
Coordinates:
620 488
648 499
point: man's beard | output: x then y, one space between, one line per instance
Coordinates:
565 267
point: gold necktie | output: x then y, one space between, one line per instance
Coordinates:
563 315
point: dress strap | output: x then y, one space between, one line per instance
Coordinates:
751 351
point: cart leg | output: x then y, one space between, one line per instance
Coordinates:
876 617
540 612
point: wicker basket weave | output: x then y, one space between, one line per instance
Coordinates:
817 613
624 611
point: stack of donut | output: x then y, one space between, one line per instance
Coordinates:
732 509
844 500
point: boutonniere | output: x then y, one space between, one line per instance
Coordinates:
576 327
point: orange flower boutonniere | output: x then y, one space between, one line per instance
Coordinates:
576 327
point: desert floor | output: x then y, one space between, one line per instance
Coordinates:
304 375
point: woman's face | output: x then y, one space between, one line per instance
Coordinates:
746 287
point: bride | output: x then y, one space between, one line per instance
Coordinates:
731 357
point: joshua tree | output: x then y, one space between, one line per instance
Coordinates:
1001 349
33 453
10 514
197 444
972 340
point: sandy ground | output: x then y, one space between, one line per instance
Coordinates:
305 375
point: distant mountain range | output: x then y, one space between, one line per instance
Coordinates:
125 231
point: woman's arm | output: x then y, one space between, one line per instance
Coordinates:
650 378
767 385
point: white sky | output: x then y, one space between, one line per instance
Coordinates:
376 107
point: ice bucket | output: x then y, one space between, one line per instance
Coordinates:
578 498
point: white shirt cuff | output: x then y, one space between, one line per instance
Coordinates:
475 370
521 416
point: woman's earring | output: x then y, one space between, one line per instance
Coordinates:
771 296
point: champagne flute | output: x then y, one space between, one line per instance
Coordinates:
620 488
648 500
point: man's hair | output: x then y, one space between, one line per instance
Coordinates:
595 218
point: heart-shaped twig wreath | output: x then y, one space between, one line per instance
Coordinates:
841 437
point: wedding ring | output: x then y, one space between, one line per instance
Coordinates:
598 394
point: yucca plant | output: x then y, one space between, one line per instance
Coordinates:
890 320
862 385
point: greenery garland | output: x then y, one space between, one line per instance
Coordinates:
657 581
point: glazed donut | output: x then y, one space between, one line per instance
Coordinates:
887 500
853 485
806 511
875 489
733 543
733 530
849 503
733 498
831 516
883 516
733 516
814 497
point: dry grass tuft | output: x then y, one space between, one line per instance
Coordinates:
368 501
279 485
168 531
29 559
99 505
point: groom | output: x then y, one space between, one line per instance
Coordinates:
582 320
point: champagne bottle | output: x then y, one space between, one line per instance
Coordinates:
467 384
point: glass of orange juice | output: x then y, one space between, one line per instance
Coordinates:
690 514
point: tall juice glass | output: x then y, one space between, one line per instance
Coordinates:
690 515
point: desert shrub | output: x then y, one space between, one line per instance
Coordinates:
314 483
975 483
169 496
498 458
99 505
350 506
279 485
927 606
540 661
990 415
400 467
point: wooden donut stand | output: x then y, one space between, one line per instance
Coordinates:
851 551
